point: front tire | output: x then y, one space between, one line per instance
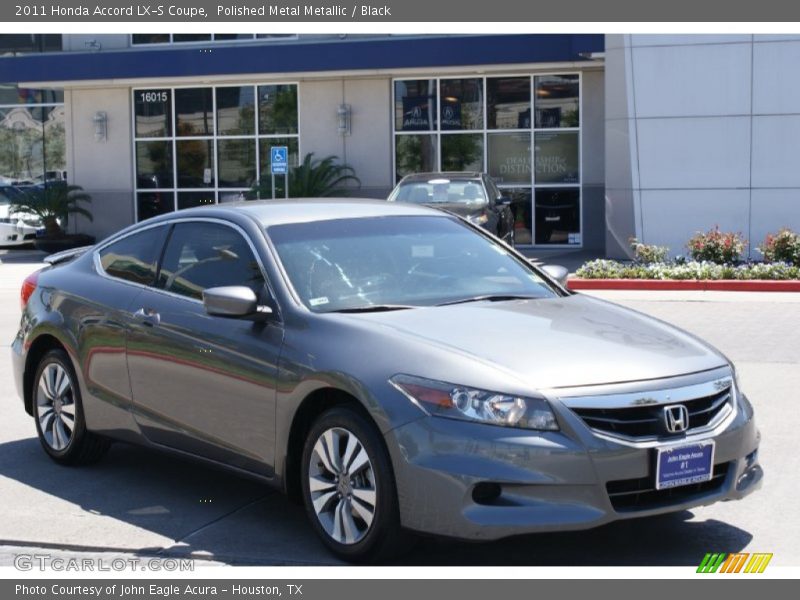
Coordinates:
58 412
349 490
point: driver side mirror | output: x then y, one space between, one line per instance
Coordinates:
503 201
235 301
557 272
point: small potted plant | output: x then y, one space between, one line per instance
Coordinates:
53 204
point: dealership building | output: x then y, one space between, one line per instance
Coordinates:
595 138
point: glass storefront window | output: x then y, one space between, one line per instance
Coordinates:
191 37
415 154
195 163
219 147
521 200
151 204
509 157
461 104
556 157
237 162
415 105
193 112
523 130
11 94
153 113
150 38
192 199
26 43
557 213
277 109
557 102
154 164
138 39
462 152
236 113
32 144
508 102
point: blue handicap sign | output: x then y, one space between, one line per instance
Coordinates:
279 159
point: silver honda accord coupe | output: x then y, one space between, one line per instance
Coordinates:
394 367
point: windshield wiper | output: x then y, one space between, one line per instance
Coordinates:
489 298
373 308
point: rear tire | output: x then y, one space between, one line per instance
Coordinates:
349 490
58 413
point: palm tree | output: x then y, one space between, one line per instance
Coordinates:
53 204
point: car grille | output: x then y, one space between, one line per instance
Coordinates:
648 421
630 495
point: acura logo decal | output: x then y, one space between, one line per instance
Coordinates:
676 418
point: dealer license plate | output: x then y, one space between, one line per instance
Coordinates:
684 465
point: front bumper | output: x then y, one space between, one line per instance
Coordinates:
483 482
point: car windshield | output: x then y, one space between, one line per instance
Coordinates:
440 191
394 262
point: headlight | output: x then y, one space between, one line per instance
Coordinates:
469 404
478 219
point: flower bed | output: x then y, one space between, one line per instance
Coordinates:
694 270
715 265
611 274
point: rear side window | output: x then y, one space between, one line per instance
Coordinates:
134 257
204 255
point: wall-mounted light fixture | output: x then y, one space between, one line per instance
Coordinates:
100 120
343 114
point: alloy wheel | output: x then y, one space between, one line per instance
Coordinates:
341 481
55 406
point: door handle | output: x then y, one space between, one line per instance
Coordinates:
147 316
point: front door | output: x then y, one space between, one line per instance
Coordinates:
201 383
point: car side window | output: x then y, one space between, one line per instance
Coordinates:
134 258
204 255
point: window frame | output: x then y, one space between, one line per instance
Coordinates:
215 138
437 132
189 223
98 262
170 223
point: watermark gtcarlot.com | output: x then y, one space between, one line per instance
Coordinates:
45 562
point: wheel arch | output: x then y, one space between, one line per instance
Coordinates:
313 405
40 346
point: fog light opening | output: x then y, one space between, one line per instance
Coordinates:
486 492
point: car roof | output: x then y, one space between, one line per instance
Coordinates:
304 210
452 175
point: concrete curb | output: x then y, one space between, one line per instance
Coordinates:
724 285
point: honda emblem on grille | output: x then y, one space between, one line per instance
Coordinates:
676 418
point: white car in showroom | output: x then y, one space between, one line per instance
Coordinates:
16 229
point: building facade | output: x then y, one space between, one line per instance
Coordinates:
163 122
596 139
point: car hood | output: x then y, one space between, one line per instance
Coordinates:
555 342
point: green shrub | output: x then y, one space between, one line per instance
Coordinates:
647 253
716 246
783 246
313 178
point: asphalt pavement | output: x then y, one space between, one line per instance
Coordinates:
140 502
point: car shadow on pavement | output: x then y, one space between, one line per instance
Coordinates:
665 540
138 500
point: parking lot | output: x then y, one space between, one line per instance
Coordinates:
136 501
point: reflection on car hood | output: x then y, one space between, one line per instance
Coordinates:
558 342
